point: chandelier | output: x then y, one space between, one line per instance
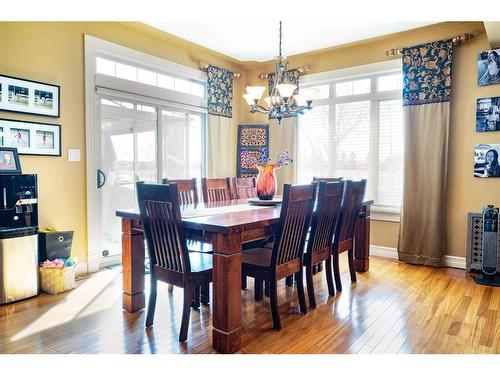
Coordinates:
282 100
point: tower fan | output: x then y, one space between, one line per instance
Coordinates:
489 262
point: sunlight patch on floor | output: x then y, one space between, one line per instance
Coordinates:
80 302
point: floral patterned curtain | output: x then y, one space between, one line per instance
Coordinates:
220 91
427 76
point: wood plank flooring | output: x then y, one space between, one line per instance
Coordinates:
394 308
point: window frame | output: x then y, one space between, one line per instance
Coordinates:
97 84
373 72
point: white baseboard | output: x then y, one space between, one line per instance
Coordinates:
392 253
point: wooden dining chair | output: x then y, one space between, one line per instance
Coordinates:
216 189
327 179
188 193
244 188
170 260
286 256
344 235
323 224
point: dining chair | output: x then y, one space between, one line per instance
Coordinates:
344 235
244 188
170 260
286 256
216 189
323 224
327 179
188 193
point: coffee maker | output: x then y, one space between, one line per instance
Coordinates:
18 237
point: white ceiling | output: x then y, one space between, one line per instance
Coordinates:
247 40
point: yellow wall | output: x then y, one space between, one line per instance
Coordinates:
54 53
465 193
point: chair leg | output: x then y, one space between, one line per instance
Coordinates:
205 293
170 288
273 286
195 303
186 311
336 270
258 293
266 288
243 282
289 280
329 276
300 291
310 286
352 270
152 303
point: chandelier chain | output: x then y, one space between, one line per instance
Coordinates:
280 40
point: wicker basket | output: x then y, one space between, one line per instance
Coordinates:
57 280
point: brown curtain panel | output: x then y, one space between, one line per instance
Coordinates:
426 100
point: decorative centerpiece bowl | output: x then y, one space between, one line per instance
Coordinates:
266 179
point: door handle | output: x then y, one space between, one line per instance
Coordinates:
101 179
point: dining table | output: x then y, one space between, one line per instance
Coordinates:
227 226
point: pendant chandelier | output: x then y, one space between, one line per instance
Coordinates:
282 100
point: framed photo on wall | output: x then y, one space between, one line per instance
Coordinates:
488 114
9 161
488 67
31 97
486 160
31 138
253 142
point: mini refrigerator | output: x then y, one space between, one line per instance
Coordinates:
18 237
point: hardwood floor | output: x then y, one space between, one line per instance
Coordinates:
394 308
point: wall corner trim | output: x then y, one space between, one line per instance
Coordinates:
392 253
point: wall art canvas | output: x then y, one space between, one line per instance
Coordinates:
486 160
253 143
32 97
31 138
488 67
488 114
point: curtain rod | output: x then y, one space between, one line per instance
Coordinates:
203 65
457 40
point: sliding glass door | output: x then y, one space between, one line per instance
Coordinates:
139 142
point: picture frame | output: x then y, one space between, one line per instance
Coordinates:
30 97
31 138
253 141
488 114
486 160
9 161
488 67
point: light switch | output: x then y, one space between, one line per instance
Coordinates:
73 154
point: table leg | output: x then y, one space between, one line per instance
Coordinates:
362 241
133 298
226 289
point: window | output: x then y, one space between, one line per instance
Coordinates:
356 132
134 73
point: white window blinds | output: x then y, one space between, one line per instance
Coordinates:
356 132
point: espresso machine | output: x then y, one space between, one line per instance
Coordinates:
18 237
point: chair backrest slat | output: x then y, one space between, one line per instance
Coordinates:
244 188
162 223
216 189
326 215
351 208
296 211
188 194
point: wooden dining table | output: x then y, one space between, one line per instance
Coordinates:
226 225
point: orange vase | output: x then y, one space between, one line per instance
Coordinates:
266 182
